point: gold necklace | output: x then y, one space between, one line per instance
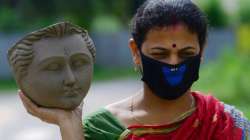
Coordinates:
179 118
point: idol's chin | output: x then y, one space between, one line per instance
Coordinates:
65 103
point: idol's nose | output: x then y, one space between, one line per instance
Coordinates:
69 79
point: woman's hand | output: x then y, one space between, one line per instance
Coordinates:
54 116
70 122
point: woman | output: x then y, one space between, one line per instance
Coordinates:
167 45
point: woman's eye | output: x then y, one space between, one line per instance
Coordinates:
158 55
53 67
187 55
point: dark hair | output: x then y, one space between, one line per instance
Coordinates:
163 13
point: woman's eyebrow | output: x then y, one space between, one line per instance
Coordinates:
160 49
187 48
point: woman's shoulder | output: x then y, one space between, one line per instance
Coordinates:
113 112
120 108
212 105
239 119
101 118
209 99
99 114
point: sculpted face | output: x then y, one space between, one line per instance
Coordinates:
60 73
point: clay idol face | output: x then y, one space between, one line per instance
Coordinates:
60 72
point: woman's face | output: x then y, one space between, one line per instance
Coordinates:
170 45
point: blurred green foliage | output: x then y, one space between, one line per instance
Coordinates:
9 21
16 15
244 11
242 36
215 12
111 24
228 79
107 15
219 17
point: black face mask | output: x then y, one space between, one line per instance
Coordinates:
170 81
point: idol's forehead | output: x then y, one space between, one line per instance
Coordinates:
65 46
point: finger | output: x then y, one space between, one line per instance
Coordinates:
80 107
27 108
33 109
29 105
22 99
43 114
48 115
39 112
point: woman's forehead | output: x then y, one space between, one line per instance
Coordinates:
173 34
174 37
172 29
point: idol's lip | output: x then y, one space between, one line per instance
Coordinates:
72 92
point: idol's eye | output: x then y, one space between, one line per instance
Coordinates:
78 63
53 67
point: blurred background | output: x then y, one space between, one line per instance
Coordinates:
225 71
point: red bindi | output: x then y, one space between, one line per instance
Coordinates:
174 46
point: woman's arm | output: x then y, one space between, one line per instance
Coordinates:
71 130
69 122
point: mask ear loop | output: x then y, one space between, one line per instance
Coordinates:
200 52
138 68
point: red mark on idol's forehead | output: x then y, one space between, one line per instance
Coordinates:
174 45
